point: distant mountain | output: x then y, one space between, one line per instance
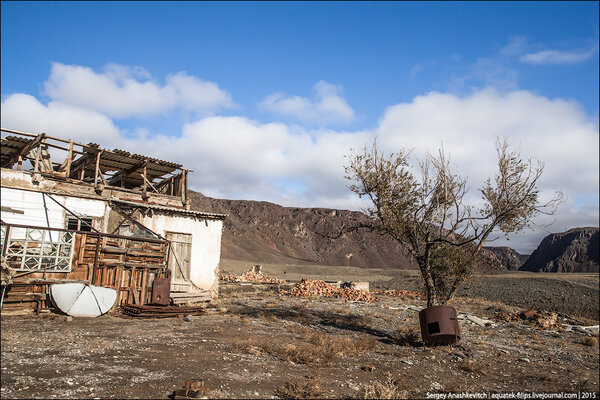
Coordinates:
576 250
503 257
265 232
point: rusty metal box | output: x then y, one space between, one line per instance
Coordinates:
161 290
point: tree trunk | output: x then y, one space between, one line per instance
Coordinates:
430 290
452 291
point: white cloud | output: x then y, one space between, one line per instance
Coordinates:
517 45
415 70
235 157
23 112
326 107
557 57
128 91
555 132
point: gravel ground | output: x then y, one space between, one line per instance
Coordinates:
270 346
576 295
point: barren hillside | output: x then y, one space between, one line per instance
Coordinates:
268 233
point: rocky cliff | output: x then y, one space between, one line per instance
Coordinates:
503 257
269 233
573 251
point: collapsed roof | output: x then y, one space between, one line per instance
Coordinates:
67 159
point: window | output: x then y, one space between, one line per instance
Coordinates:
79 224
39 249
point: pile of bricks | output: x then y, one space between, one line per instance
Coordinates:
251 276
541 319
308 288
406 294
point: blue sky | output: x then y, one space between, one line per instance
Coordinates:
263 100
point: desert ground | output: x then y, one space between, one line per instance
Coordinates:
260 344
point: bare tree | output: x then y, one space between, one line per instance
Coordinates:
428 215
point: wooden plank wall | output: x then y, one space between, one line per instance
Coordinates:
128 265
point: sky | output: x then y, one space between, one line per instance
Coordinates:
264 101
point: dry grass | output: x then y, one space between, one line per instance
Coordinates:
472 367
307 388
313 347
589 341
390 388
386 317
244 319
266 317
406 336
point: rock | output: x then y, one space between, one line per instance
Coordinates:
188 318
69 318
436 386
502 257
527 314
526 360
576 250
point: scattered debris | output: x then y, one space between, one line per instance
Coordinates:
542 319
590 330
474 319
190 298
251 276
159 311
408 294
528 314
308 287
356 285
192 390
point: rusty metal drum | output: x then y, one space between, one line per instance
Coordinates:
439 325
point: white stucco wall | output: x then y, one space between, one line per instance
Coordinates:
206 244
32 205
206 233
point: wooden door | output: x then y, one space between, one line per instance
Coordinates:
180 256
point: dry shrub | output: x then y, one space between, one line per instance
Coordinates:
390 388
307 388
406 336
589 341
471 367
266 317
249 346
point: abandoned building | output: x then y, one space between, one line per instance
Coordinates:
75 212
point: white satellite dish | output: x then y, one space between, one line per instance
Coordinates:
82 300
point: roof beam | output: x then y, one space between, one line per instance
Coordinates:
117 178
26 149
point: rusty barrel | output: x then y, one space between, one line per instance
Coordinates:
439 325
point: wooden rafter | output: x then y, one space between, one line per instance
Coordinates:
28 147
115 179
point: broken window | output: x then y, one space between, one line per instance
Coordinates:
38 249
79 224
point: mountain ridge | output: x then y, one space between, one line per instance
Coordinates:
270 233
